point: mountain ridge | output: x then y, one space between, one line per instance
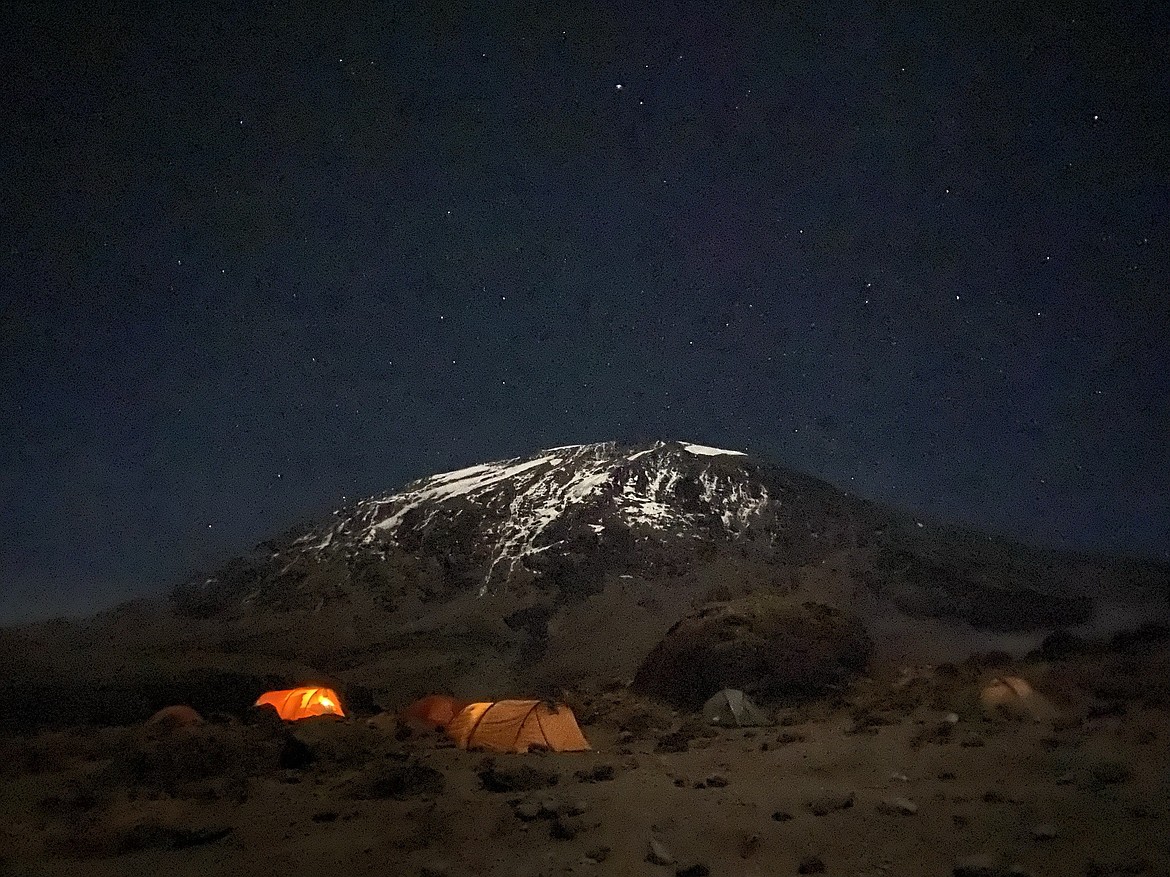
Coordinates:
490 523
605 548
554 525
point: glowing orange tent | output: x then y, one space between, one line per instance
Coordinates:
517 726
433 712
301 703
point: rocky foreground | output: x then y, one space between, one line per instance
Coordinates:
901 773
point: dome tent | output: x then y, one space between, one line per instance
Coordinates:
1014 696
731 708
292 704
517 726
433 712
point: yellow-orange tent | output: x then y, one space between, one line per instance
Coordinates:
517 726
301 703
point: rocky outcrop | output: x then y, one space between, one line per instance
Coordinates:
766 645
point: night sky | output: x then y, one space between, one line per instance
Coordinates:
257 260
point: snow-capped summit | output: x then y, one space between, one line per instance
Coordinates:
563 520
553 529
519 508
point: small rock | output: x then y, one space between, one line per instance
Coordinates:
598 853
600 773
1065 779
900 777
1043 832
658 854
439 868
296 754
566 827
572 808
692 871
811 865
897 806
972 741
781 816
825 804
1117 868
676 742
399 781
979 866
946 775
749 846
625 737
1111 772
527 809
951 718
325 816
550 807
182 838
716 781
515 778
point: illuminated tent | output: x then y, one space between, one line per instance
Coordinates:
302 703
517 726
433 712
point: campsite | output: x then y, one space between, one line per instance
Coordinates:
446 438
770 677
1054 763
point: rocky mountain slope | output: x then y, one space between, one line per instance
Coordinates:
556 525
540 572
577 537
557 521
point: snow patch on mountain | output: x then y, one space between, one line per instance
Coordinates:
516 501
705 451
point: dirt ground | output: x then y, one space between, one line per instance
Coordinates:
905 773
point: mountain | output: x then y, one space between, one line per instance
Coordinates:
558 522
567 569
588 537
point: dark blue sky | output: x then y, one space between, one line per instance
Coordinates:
255 259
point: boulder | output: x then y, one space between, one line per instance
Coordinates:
188 762
764 644
171 717
515 777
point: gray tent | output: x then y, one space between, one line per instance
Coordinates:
731 708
